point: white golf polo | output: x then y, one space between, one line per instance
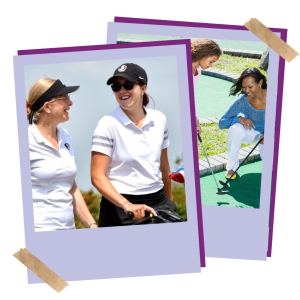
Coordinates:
135 153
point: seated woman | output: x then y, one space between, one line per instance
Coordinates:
56 196
129 164
245 118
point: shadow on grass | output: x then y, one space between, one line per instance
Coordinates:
223 203
246 189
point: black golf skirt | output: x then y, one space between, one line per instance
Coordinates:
112 215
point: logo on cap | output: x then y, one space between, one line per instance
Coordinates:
122 68
141 77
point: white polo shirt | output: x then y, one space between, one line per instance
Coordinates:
52 176
134 152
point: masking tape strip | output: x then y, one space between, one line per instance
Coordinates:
40 269
271 39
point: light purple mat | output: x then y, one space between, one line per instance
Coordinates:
94 254
218 241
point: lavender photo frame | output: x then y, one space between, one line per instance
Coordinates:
230 232
87 254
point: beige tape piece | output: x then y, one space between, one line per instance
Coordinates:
271 39
40 269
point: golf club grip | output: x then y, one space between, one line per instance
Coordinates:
199 137
130 214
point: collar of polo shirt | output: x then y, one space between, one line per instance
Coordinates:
39 137
126 121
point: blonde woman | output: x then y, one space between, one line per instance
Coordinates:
56 196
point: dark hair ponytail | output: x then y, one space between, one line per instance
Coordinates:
254 73
146 97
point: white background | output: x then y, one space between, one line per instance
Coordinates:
42 24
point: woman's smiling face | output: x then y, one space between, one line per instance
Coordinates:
60 107
129 99
250 87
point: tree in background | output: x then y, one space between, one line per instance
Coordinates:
92 201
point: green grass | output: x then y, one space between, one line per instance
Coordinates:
212 96
214 140
244 191
237 64
178 191
230 44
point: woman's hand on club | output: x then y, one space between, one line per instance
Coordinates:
246 122
198 126
262 142
139 210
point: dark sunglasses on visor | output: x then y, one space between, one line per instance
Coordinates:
128 85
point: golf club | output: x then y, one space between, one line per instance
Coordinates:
219 192
226 183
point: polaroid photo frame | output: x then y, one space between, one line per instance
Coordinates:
85 254
231 232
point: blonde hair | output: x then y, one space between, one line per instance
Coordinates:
202 48
35 92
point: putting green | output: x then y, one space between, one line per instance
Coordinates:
243 45
244 191
211 96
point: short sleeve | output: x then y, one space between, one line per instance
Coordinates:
103 140
166 141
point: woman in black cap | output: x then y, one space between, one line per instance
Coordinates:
56 196
129 164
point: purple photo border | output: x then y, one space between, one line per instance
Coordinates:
283 36
183 24
192 108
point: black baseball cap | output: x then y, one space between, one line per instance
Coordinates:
56 89
131 72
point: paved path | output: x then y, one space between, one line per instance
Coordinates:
218 162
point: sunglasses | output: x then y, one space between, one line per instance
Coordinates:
65 98
128 85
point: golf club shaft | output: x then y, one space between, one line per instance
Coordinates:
200 140
245 159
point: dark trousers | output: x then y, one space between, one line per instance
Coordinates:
112 215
